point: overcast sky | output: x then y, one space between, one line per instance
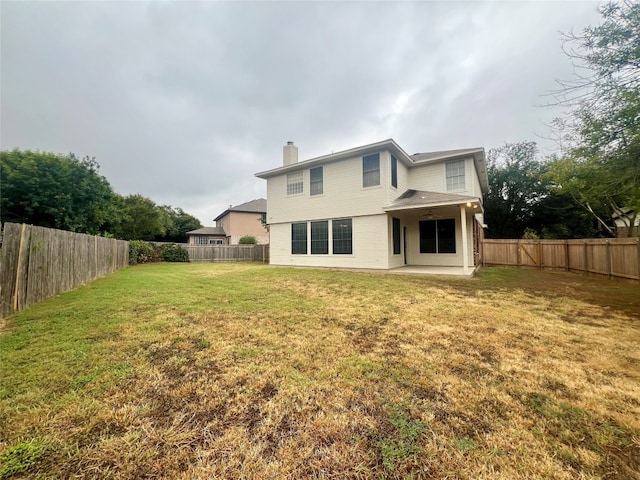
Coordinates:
184 102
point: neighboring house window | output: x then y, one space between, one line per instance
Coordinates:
394 171
396 236
342 236
216 241
315 183
319 237
200 240
294 183
298 238
438 236
455 175
371 170
263 219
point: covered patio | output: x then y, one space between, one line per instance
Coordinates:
434 233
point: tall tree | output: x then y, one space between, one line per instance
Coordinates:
179 223
515 187
52 190
142 219
522 198
601 167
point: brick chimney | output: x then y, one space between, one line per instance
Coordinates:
289 154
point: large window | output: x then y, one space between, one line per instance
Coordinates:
371 170
315 183
394 171
319 237
438 236
455 175
298 238
342 236
396 236
294 183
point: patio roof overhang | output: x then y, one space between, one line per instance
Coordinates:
418 199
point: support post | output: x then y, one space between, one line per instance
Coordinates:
465 241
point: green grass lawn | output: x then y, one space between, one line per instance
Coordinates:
248 371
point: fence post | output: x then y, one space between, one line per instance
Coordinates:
566 255
586 257
519 253
18 268
540 249
609 262
638 272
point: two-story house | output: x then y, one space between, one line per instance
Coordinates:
377 207
248 218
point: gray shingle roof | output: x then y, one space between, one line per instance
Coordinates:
259 205
426 156
208 231
420 198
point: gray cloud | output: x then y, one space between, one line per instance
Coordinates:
184 102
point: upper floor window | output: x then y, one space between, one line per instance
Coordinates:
394 171
371 170
294 183
315 182
455 175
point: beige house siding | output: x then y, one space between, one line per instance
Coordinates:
432 177
343 194
366 253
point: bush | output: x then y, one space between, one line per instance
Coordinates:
143 252
140 252
247 240
174 253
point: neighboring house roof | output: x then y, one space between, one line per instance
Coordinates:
622 212
258 205
393 147
419 198
208 231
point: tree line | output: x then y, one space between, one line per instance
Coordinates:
68 193
596 174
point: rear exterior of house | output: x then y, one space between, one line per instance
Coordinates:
376 207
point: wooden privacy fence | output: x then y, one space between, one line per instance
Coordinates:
228 253
38 263
615 257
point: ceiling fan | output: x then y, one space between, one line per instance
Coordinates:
429 215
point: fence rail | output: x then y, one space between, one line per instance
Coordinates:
228 253
614 257
38 263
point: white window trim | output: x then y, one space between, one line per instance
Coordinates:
464 187
287 184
